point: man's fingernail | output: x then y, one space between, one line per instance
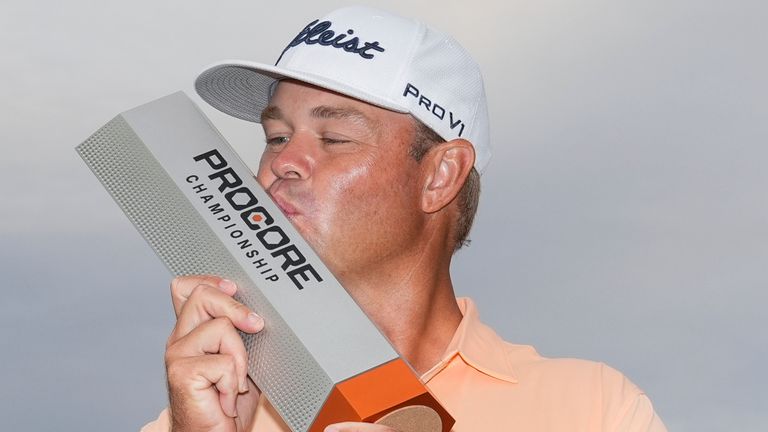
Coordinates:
227 286
244 385
256 320
332 429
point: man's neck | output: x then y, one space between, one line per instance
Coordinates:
418 314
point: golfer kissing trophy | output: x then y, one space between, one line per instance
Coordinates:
319 359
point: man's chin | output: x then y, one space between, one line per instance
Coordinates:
301 225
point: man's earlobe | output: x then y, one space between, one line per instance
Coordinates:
448 166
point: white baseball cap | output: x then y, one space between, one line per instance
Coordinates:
377 57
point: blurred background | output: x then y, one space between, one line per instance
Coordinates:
623 219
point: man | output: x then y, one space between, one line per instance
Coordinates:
376 128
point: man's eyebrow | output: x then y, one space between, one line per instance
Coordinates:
271 113
343 113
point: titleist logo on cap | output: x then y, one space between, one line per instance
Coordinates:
319 32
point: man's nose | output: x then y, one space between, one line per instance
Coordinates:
295 159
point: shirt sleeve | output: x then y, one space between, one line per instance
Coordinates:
162 424
626 407
640 417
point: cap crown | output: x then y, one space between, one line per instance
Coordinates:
380 58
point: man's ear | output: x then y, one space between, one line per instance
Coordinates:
447 166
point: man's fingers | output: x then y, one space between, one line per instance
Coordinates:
211 379
183 286
217 336
206 303
205 357
358 427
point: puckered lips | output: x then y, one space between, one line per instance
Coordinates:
288 208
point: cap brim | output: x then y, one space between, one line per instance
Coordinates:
242 89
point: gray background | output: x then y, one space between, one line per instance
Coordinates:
623 218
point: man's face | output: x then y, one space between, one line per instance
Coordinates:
339 169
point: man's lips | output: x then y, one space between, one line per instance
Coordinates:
286 207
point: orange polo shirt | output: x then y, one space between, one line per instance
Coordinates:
488 384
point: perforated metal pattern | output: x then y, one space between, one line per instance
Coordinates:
279 364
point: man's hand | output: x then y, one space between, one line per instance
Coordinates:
358 427
205 358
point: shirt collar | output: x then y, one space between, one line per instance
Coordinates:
478 345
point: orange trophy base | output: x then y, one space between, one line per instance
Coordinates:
382 393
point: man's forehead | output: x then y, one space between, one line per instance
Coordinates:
324 104
329 97
341 111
